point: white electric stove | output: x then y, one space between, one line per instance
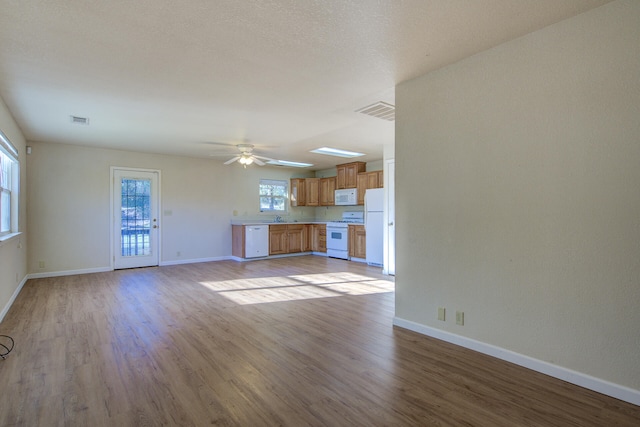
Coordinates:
338 234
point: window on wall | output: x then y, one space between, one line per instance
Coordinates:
9 175
273 195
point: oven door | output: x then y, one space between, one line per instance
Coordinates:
337 242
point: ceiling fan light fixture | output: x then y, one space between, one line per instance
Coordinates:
246 160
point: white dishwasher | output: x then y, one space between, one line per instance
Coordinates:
256 241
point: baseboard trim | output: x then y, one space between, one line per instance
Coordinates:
7 306
195 260
68 272
583 380
235 258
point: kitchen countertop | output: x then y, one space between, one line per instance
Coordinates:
276 223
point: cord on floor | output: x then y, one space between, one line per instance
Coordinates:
4 355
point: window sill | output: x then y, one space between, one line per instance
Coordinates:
8 237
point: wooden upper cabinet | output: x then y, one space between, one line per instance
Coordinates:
312 191
380 178
237 242
297 192
366 180
362 186
347 174
327 191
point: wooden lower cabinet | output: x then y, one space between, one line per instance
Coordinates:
289 239
306 238
295 236
237 241
278 240
318 237
357 241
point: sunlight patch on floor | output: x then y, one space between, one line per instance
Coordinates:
299 287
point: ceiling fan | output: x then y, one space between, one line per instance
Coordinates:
246 156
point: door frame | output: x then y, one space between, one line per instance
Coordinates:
389 255
113 219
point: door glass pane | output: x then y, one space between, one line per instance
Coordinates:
136 217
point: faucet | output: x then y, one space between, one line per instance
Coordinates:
278 219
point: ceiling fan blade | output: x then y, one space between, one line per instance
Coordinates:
258 161
263 158
228 162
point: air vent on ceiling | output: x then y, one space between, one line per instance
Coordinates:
381 110
79 120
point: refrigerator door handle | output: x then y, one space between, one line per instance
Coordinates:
365 210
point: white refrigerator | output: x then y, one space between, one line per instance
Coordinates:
374 225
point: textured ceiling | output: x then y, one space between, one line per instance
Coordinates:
172 76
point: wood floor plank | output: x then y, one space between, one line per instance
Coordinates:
307 341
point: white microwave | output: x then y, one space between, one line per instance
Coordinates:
346 197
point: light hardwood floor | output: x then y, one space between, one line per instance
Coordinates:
291 342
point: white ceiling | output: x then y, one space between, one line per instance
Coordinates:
168 76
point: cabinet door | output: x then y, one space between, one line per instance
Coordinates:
314 237
312 194
306 238
327 191
278 242
295 237
352 240
362 186
360 242
372 179
380 179
322 238
351 178
297 193
341 177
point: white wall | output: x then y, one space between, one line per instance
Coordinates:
69 205
518 196
13 252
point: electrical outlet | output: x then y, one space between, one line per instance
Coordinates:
178 253
41 264
441 313
460 318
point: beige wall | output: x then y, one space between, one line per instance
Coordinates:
13 252
69 203
518 195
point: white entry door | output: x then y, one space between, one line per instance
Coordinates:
135 218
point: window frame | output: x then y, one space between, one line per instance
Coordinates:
284 198
9 152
